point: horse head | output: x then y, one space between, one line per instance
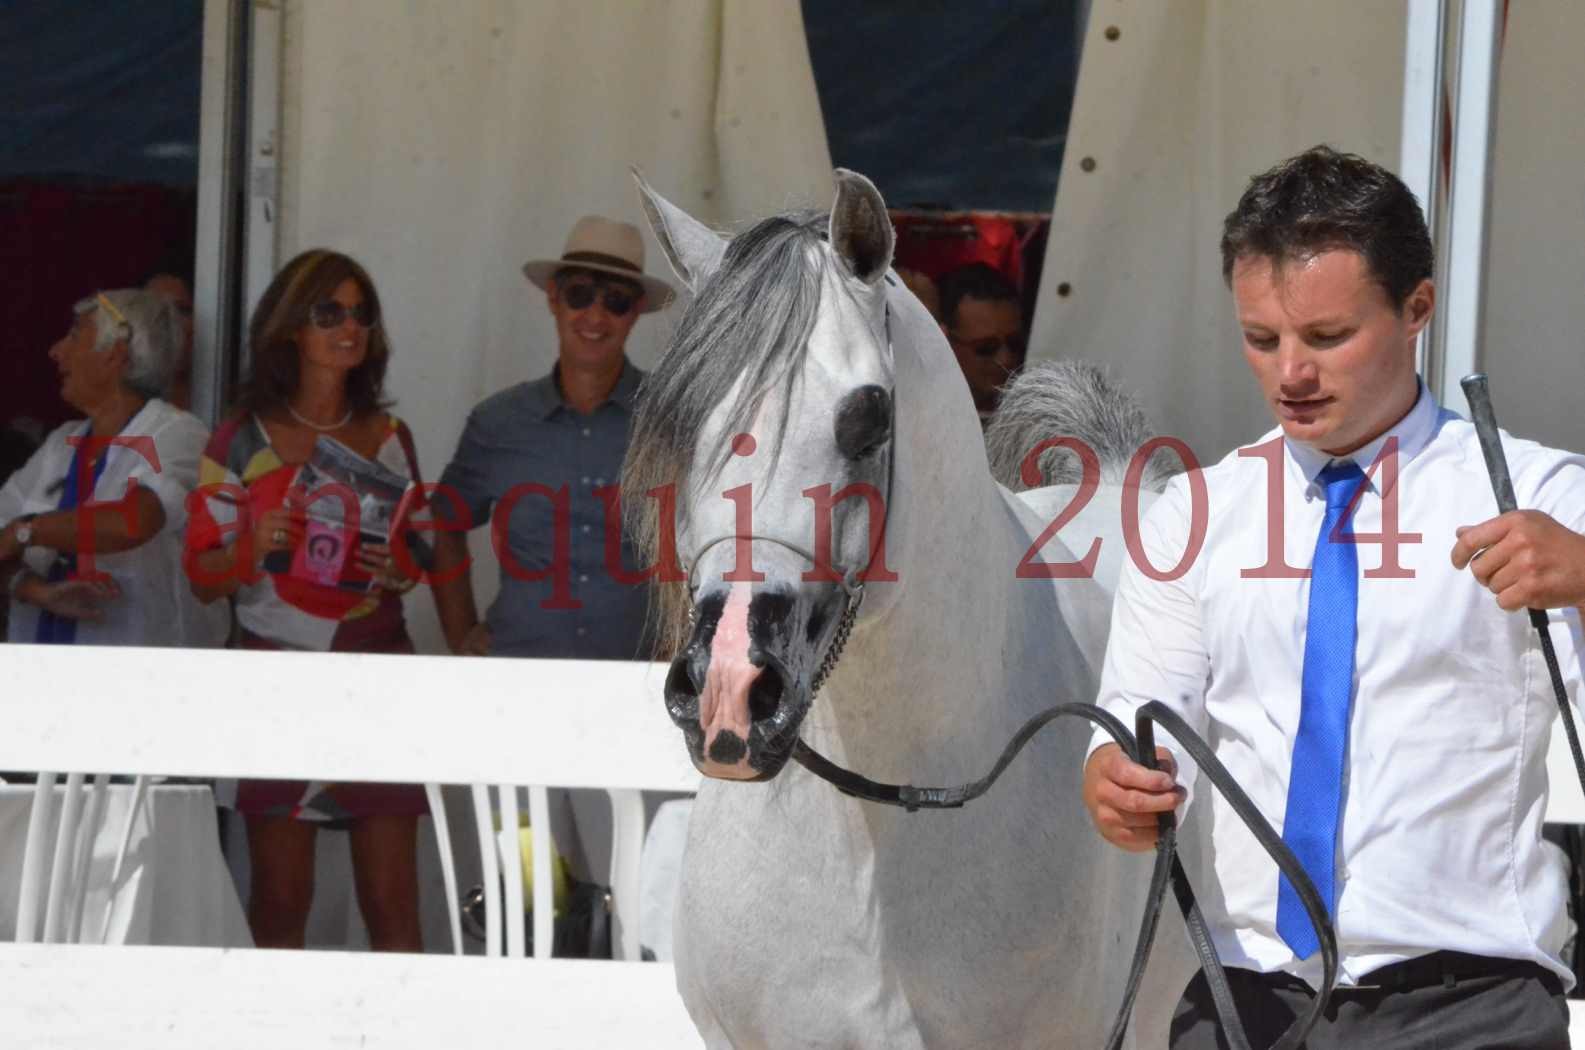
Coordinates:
763 446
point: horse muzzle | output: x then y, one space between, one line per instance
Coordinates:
737 691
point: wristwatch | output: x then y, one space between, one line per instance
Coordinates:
25 532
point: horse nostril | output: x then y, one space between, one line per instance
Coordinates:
682 681
764 696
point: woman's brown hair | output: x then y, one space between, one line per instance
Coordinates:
309 278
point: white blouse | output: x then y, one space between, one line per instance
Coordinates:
155 607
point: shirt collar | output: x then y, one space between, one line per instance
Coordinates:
1414 431
545 393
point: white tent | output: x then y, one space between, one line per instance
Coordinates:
1178 104
444 144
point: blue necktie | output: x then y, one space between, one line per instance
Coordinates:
1315 785
62 630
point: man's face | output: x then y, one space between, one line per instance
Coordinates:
1334 360
589 324
987 338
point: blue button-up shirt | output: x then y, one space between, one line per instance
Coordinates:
515 442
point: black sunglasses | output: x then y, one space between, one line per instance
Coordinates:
617 301
330 314
992 346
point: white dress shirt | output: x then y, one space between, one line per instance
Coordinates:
1439 839
156 606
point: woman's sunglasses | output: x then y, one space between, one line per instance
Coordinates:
330 314
617 301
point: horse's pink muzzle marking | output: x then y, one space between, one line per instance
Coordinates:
723 703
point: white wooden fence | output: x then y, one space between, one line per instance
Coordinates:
560 723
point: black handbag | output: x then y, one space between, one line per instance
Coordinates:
583 932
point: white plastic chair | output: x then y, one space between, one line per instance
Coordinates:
501 867
69 844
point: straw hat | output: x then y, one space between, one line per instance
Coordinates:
605 246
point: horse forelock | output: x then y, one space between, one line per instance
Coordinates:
747 330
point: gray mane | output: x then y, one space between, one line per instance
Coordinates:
1074 399
752 318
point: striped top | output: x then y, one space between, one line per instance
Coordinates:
301 614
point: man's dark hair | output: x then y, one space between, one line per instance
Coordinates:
974 281
1323 200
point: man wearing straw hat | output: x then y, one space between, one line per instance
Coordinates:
532 462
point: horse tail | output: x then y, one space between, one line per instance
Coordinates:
1071 399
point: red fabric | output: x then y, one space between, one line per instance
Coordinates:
936 244
59 243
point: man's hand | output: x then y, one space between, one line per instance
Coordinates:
1526 559
1124 797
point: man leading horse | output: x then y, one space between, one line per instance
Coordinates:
1374 700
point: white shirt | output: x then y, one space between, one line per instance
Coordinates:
156 607
1439 842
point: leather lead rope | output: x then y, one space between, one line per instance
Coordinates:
1167 869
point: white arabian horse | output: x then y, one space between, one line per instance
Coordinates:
807 918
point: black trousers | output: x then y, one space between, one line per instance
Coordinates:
1445 1001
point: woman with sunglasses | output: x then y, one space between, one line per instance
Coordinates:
90 526
319 356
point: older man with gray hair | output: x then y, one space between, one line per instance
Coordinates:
90 526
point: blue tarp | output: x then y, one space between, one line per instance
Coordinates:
101 89
948 102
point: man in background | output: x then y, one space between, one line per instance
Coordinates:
532 457
984 321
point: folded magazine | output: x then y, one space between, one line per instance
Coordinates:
347 500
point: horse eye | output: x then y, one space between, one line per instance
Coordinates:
864 421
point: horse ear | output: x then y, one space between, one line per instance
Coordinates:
861 231
693 249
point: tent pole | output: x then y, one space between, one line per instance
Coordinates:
1420 148
1474 112
221 116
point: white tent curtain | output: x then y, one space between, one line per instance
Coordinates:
1178 104
442 144
1534 328
1177 108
